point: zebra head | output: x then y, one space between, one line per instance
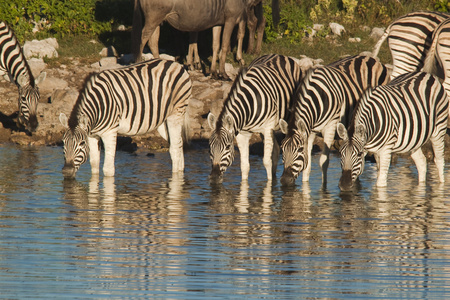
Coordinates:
28 101
221 144
352 154
294 148
76 147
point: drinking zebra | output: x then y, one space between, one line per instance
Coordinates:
259 98
326 96
129 101
409 39
13 61
396 118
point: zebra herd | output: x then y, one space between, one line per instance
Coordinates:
354 98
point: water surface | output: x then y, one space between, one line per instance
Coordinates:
147 234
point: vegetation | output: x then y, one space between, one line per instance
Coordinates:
76 22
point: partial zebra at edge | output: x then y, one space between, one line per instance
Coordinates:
13 61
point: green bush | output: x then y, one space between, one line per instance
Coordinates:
55 17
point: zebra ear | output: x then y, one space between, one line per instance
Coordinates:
342 131
283 126
22 80
360 130
83 121
228 124
212 121
63 120
40 78
301 126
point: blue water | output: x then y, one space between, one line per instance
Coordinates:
146 234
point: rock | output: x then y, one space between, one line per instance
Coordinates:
40 49
376 33
108 52
354 40
37 65
336 28
107 63
52 83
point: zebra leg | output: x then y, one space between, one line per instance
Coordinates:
328 138
270 147
438 149
242 140
109 142
162 130
421 164
94 155
175 129
307 170
384 163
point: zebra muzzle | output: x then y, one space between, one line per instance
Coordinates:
288 178
69 171
346 183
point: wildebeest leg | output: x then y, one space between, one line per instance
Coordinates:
193 59
226 37
153 43
241 35
261 21
251 24
216 47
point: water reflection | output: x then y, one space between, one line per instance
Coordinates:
150 234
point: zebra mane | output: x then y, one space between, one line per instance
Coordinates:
351 124
73 119
234 87
22 55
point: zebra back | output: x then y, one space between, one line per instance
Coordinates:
261 92
133 100
405 113
410 38
12 59
332 91
437 61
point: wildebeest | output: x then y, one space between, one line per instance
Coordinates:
189 16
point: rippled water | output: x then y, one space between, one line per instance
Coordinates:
147 234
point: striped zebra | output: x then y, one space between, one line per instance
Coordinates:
409 39
326 96
13 61
259 98
437 61
396 118
129 101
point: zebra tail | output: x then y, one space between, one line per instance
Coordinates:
137 28
380 42
186 129
430 63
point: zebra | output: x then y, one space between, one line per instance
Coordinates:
409 39
130 101
13 62
326 96
396 118
437 61
258 99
